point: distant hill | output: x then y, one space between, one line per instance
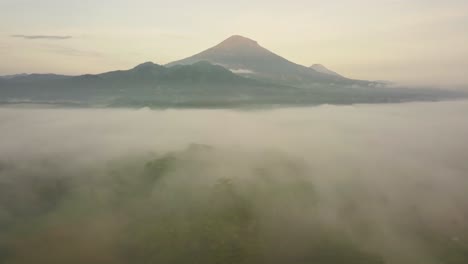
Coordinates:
5 77
35 77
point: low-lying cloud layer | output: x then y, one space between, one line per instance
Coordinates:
329 184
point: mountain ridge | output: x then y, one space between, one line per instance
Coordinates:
147 82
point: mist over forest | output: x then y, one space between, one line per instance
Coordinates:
327 184
233 132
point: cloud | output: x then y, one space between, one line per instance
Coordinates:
50 37
242 71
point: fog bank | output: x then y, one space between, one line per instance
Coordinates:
391 180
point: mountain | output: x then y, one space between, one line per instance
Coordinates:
322 69
246 57
237 72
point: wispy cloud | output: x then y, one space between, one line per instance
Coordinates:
50 37
242 71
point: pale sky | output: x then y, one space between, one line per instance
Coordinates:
406 41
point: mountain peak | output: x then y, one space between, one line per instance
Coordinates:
147 65
236 41
245 56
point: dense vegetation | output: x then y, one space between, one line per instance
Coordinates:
177 209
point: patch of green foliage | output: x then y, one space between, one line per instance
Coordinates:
176 209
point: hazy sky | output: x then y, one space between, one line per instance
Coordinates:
412 41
